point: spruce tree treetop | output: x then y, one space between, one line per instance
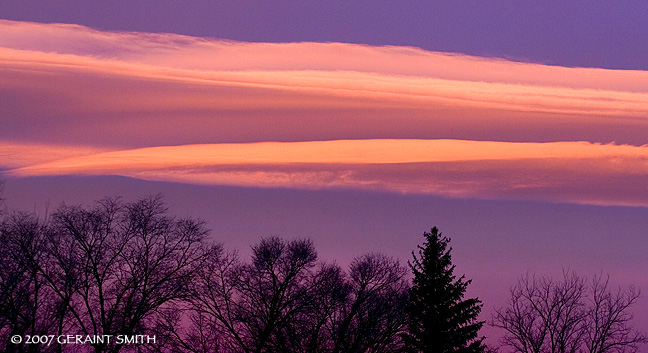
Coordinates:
440 320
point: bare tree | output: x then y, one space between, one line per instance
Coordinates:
206 322
285 301
255 307
27 306
275 287
2 203
609 328
116 266
373 316
568 316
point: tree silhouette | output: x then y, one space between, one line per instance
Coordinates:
372 316
114 267
275 288
120 268
283 300
571 315
440 320
263 306
2 200
27 305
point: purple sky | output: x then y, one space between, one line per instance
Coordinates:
606 34
494 241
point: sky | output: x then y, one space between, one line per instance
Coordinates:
518 128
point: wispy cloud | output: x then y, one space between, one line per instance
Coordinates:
177 108
13 155
66 82
576 172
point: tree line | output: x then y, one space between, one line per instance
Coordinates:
131 268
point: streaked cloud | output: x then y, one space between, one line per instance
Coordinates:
317 115
577 172
65 82
14 155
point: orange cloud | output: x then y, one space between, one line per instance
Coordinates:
14 155
69 82
195 110
576 172
178 51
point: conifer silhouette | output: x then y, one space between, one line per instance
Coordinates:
440 320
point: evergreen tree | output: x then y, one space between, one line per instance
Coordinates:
440 321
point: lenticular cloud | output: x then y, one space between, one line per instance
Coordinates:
317 115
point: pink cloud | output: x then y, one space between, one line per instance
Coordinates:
575 172
178 51
177 108
62 97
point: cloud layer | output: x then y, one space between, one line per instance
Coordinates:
169 107
577 172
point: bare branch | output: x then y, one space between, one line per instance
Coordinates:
569 316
